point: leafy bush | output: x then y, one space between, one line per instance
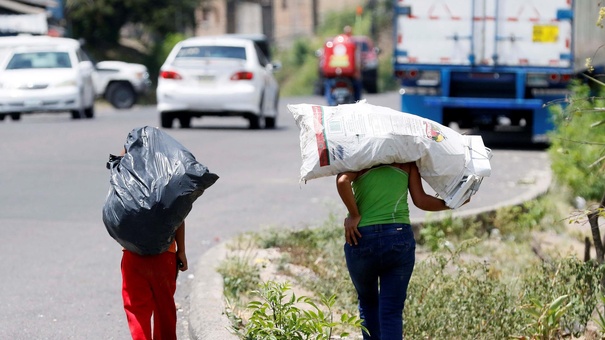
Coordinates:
434 233
577 145
517 221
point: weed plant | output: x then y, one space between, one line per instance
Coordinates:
275 316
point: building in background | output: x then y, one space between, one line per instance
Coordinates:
25 16
282 21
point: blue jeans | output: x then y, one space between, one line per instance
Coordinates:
385 256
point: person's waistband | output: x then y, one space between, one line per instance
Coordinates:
379 228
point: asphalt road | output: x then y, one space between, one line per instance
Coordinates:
60 268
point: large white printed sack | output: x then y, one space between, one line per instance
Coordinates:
353 137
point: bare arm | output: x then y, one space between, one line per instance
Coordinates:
420 198
180 247
345 190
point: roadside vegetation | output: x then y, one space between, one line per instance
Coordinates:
516 272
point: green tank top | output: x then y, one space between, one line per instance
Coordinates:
382 196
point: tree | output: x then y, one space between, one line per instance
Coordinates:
100 21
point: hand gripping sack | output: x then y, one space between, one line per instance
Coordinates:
152 190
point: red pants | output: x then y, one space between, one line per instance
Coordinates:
148 287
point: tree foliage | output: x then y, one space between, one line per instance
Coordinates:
578 144
100 21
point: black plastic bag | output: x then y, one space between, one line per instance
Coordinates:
152 190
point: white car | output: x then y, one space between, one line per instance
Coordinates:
121 83
217 76
46 77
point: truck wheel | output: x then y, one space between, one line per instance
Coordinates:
1 117
16 116
370 82
121 95
372 87
166 119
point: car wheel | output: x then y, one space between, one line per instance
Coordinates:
89 112
166 119
1 117
185 120
270 121
15 116
121 95
256 119
76 114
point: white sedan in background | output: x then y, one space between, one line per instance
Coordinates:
56 77
217 76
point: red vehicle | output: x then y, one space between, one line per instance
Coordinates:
369 64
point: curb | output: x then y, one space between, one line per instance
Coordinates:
207 321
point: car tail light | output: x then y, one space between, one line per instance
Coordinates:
170 75
243 75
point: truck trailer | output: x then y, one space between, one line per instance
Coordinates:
493 65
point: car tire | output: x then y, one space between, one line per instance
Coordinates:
15 116
76 114
121 95
254 121
89 112
270 121
166 119
1 117
185 121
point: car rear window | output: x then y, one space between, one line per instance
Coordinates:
231 52
28 60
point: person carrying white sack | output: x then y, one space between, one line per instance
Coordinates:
380 245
